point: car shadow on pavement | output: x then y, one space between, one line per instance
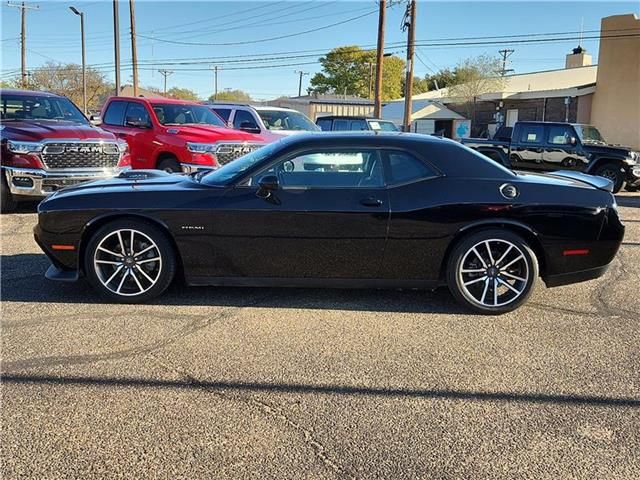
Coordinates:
22 280
300 388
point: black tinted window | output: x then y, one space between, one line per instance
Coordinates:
115 113
243 116
358 125
136 112
404 167
531 134
224 113
341 124
560 135
324 124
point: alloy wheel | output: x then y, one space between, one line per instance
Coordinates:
493 273
127 262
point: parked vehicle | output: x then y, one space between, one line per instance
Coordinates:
272 123
550 146
47 144
174 135
343 123
419 212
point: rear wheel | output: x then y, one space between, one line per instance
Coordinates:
492 271
629 188
169 164
613 172
130 261
7 203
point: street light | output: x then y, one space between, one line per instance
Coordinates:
84 64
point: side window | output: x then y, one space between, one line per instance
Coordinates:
531 134
358 125
242 116
324 124
115 113
223 113
341 124
560 135
404 167
335 169
137 115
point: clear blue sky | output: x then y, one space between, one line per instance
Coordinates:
53 34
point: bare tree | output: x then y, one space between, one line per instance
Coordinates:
475 77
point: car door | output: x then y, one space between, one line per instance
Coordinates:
415 245
138 131
327 219
562 150
527 147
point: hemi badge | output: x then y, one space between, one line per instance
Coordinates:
63 247
578 251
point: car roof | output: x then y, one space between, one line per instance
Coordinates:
351 117
155 101
28 93
279 109
363 137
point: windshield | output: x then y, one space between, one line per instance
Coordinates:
286 120
227 173
185 114
383 126
589 134
33 107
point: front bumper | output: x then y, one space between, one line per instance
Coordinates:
193 168
38 183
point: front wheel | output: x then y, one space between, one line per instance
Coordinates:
492 271
169 165
129 261
7 203
612 172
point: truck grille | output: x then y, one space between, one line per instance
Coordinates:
228 152
80 155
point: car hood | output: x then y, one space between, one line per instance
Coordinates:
617 150
38 130
211 133
286 133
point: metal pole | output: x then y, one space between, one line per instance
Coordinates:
370 79
84 66
377 111
134 53
23 44
215 75
116 43
411 40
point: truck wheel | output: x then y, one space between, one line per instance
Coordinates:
7 203
613 172
629 188
492 271
169 164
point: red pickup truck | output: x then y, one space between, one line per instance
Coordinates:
174 135
47 144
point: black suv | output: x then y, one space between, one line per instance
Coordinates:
548 146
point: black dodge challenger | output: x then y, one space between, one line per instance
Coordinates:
337 210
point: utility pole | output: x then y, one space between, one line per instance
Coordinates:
165 74
84 59
134 52
300 82
23 39
370 78
506 53
116 43
377 109
215 83
409 23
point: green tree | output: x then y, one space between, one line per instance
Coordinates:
183 94
66 79
475 77
347 70
231 96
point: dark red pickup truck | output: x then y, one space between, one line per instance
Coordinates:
174 135
46 143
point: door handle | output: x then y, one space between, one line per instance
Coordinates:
371 202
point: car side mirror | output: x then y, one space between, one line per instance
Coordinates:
573 141
249 127
266 186
95 120
136 122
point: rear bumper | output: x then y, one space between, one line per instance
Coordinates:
574 277
38 183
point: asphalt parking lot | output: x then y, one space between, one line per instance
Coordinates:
271 383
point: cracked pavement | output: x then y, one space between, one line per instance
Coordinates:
303 383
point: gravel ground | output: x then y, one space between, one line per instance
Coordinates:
272 383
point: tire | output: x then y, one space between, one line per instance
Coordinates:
129 278
629 188
473 286
612 172
7 203
169 164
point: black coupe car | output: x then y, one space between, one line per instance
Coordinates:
337 210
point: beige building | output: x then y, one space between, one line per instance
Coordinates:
615 109
314 106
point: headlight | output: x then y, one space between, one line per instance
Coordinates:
201 147
123 146
24 147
